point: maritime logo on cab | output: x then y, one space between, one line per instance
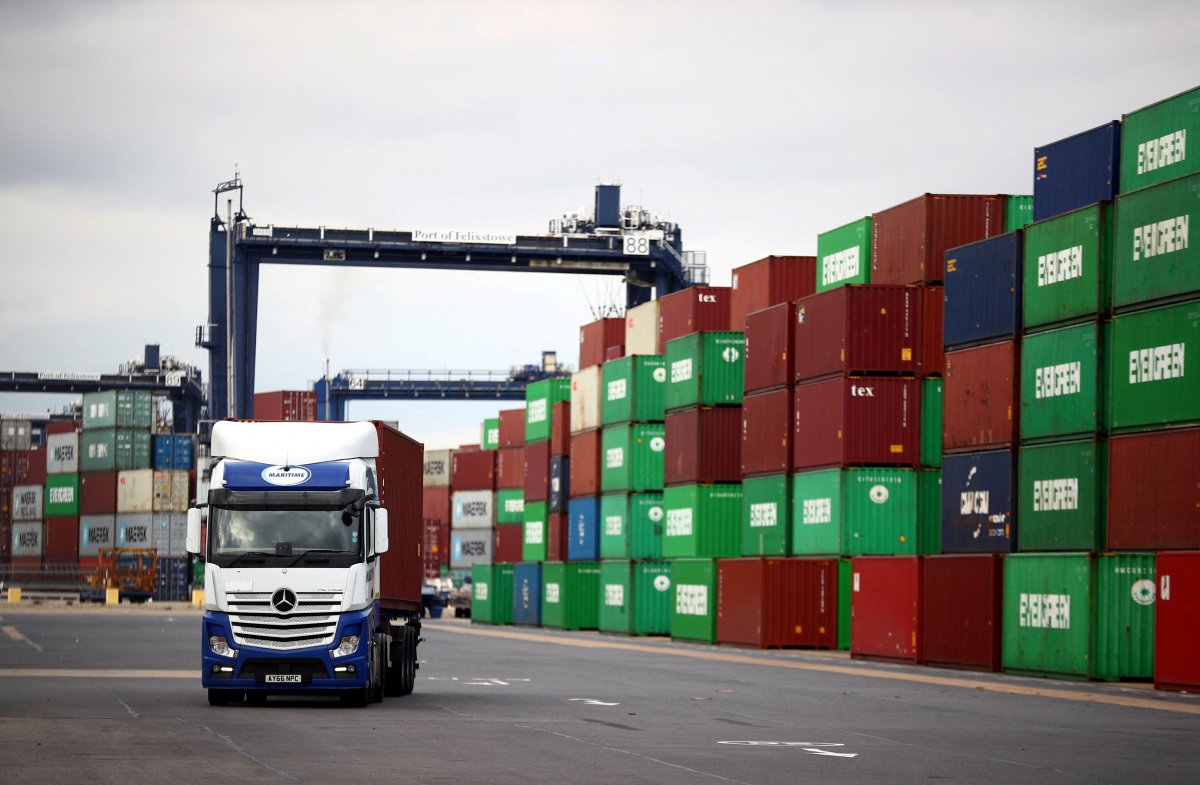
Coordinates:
286 475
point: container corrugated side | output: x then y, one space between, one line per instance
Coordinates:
702 521
981 397
570 595
1176 636
1068 267
62 453
909 241
1063 499
1148 383
1018 212
767 282
1063 382
491 594
1153 495
633 457
777 603
469 547
631 525
1047 613
858 329
1152 256
844 255
983 291
632 389
642 329
770 348
766 439
979 502
585 399
512 428
694 594
856 421
398 474
887 603
1161 141
437 468
829 506
766 516
539 398
595 338
703 445
527 594
694 309
705 369
1077 171
932 403
960 621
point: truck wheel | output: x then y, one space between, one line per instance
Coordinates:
378 670
224 697
402 674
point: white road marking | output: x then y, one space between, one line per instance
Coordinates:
593 702
132 713
16 635
812 747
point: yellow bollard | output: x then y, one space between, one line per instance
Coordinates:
197 598
14 595
112 596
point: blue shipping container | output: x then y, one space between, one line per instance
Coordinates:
1077 171
527 594
560 482
172 580
983 291
583 529
979 503
175 451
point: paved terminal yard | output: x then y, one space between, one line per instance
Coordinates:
101 695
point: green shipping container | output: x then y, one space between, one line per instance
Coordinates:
844 255
1148 383
62 495
118 409
533 546
491 594
631 525
633 389
632 457
845 605
1152 257
540 398
932 403
766 521
571 595
510 506
702 521
929 512
1062 382
1160 142
489 434
1062 503
861 511
110 449
1018 212
1068 267
1076 615
635 597
705 369
694 590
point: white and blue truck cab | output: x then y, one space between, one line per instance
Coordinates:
304 591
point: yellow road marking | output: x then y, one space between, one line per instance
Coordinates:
97 673
864 670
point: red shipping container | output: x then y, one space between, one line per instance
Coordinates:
436 550
704 445
60 540
62 426
1176 637
615 352
560 428
97 493
585 464
5 535
770 344
1154 490
981 397
473 471
509 544
909 241
692 310
858 329
289 405
595 338
556 536
769 281
537 471
512 428
933 318
23 467
885 608
435 504
400 470
35 473
960 625
510 468
775 603
856 421
767 433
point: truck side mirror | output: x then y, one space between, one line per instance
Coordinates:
381 531
193 530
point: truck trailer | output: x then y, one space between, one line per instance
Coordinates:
312 558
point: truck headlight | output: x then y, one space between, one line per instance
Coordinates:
349 645
221 646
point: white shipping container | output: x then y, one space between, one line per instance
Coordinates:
642 328
470 547
27 539
16 435
96 532
585 399
62 453
438 467
170 491
473 510
135 530
170 535
27 502
135 490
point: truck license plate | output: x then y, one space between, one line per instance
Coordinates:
283 678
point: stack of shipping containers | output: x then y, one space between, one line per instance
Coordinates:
492 582
60 536
472 506
22 479
435 512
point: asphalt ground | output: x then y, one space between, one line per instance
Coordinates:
112 695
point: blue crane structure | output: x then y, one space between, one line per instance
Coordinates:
630 242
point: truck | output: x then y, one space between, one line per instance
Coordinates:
312 561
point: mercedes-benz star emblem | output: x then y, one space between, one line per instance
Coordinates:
284 600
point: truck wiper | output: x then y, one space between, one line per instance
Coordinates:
312 551
241 556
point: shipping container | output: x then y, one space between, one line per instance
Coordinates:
1153 493
16 435
560 428
856 420
5 540
469 547
1063 382
512 428
1152 259
981 397
1176 666
1018 212
1148 382
858 329
887 601
642 329
510 506
287 405
596 337
703 445
539 398
585 464
633 457
98 493
27 539
702 521
171 491
173 451
585 399
1077 171
24 467
560 483
1159 142
556 536
106 449
473 471
1063 496
909 241
777 603
508 544
527 594
978 502
983 291
635 597
932 402
492 594
694 591
118 409
435 503
435 548
1068 267
398 470
766 432
831 506
766 516
933 317
473 509
705 369
960 619
631 525
690 310
96 532
62 453
537 471
135 491
510 468
633 389
767 282
172 583
770 364
844 255
27 502
62 495
60 540
489 433
571 595
536 530
583 529
438 468
138 530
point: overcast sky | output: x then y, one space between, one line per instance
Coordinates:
753 125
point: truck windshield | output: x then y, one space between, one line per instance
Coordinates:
316 537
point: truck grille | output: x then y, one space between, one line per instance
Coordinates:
255 623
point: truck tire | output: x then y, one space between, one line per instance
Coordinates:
378 670
402 674
224 697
